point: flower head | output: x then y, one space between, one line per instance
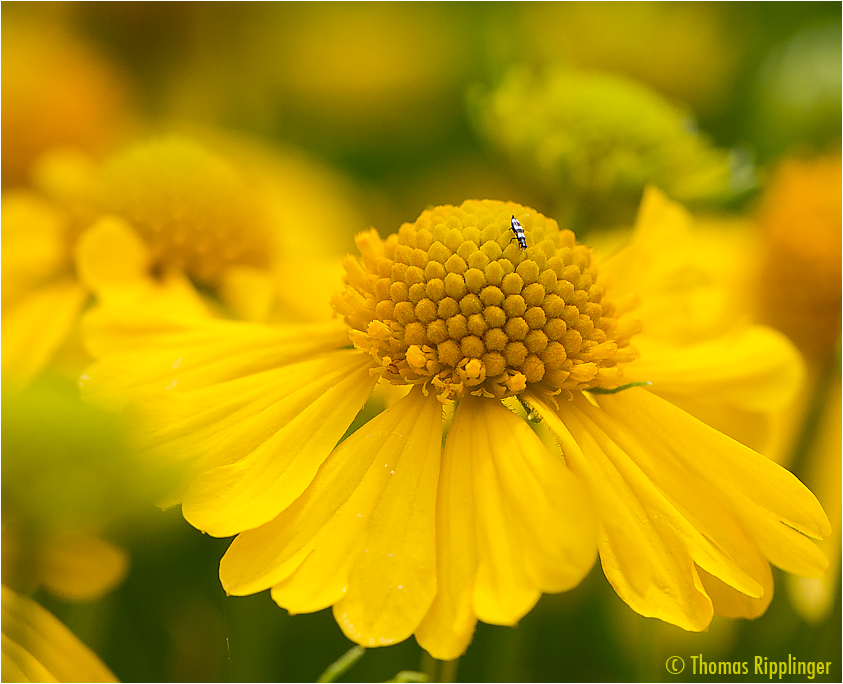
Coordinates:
58 91
453 302
596 140
153 226
423 520
800 220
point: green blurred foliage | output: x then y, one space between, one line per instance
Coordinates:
67 464
379 90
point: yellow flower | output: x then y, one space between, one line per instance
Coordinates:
144 228
37 647
57 91
596 140
449 506
800 221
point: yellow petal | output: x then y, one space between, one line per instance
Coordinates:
320 278
814 598
306 554
80 567
38 646
503 591
556 515
37 326
753 369
305 410
203 429
250 292
18 665
731 603
645 542
690 281
772 504
392 584
536 525
448 626
149 354
33 243
111 255
727 551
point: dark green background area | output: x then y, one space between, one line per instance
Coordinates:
170 621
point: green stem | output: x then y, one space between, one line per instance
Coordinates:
342 665
438 670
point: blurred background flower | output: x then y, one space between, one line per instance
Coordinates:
592 141
361 115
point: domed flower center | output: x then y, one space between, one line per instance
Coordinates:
453 301
193 209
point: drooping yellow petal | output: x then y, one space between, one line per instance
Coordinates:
644 545
35 328
773 505
732 603
535 524
503 592
358 504
159 354
81 566
555 513
305 410
39 647
449 625
393 582
732 558
726 551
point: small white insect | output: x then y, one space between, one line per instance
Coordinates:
519 233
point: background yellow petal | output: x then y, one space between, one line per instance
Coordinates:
33 243
35 328
79 566
111 255
249 291
320 402
739 383
18 665
42 639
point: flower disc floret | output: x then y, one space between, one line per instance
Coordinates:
454 303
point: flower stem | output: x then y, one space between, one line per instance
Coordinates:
342 665
439 670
